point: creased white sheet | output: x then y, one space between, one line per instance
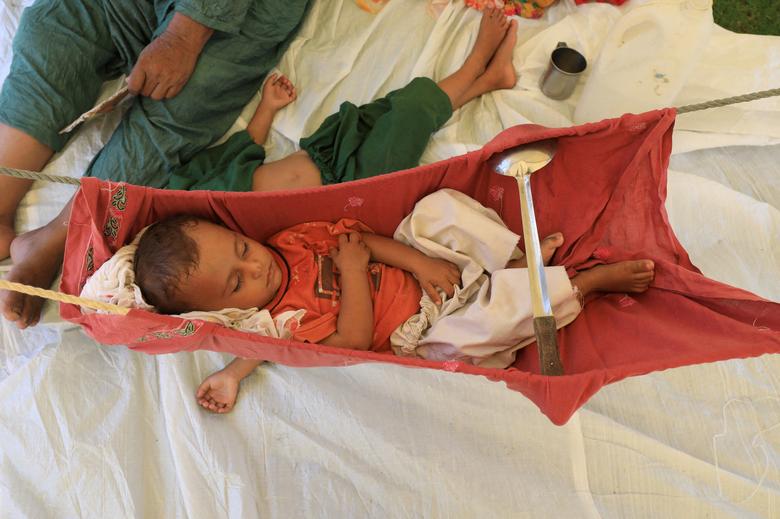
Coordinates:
91 431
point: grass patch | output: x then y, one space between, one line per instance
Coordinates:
748 16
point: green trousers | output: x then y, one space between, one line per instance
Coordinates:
385 135
64 50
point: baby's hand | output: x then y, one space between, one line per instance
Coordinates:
351 254
218 392
278 92
434 273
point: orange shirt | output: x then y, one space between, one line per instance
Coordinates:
313 283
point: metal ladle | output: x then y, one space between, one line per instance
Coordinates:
520 163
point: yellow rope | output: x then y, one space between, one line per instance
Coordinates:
65 298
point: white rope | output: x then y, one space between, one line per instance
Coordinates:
728 101
37 175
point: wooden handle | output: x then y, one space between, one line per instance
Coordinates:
547 342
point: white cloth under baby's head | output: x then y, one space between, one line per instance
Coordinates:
114 282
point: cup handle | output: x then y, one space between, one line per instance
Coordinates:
561 44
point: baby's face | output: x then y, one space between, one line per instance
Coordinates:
233 271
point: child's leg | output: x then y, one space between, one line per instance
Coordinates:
388 134
492 31
624 276
391 133
500 72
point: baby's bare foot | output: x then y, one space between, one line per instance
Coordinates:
549 245
500 72
625 276
492 29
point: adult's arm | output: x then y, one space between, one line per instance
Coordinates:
166 64
220 15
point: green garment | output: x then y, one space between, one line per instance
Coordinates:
385 135
227 167
65 49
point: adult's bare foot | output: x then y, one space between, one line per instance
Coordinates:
492 29
548 248
500 72
7 235
625 276
37 258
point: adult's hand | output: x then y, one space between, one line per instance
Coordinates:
166 64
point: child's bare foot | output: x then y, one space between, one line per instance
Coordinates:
548 246
625 276
500 72
492 29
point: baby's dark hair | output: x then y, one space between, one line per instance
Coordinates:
165 255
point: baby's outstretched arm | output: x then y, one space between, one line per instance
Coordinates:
431 273
278 92
218 391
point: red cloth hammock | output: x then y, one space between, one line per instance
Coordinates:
604 190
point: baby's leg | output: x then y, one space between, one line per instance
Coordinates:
625 276
492 31
548 246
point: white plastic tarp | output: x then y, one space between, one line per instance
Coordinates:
93 431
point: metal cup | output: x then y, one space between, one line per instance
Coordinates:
562 74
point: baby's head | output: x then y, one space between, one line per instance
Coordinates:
186 263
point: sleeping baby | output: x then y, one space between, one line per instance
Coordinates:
359 290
